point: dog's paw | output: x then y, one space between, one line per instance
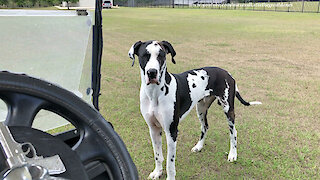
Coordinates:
196 148
156 174
232 157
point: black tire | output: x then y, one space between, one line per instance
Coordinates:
25 96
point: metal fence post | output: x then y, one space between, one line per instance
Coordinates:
302 6
318 6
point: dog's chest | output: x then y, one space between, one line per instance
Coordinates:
157 110
158 119
153 112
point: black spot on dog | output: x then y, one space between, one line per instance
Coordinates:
168 78
174 125
162 88
202 77
235 138
174 131
183 99
202 135
167 90
231 127
194 85
171 160
231 131
192 73
156 159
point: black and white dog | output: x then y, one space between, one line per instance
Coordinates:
166 99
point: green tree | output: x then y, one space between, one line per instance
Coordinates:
3 2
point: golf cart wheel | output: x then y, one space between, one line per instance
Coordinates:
98 148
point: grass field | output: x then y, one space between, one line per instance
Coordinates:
274 58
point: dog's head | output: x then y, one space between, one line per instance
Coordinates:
152 58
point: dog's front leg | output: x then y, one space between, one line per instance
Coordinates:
155 134
171 136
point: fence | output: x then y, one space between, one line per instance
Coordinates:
310 6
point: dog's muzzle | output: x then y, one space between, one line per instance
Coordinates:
152 76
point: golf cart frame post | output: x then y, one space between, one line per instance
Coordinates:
97 46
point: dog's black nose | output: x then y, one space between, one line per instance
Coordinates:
152 73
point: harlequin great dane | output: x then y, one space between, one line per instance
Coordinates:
166 99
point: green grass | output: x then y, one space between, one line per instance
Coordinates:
274 58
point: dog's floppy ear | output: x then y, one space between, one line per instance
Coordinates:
134 50
169 49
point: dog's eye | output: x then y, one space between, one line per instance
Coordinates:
146 56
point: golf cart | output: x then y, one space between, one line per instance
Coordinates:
49 77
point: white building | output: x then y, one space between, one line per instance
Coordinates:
87 3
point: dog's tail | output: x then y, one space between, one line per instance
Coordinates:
245 102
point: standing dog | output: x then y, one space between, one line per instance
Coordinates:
166 99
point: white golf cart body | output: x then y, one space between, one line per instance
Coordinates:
52 45
62 48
